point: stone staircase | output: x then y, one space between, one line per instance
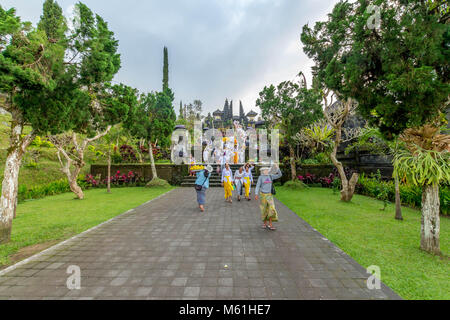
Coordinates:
215 179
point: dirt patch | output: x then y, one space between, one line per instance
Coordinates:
27 252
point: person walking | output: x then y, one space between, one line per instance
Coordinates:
239 182
264 190
227 182
201 185
248 180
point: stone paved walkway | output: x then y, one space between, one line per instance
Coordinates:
167 249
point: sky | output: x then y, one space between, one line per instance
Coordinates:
217 48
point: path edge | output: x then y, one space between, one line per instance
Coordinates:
67 241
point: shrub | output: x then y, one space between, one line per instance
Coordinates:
157 183
323 158
128 154
295 185
310 162
336 185
42 143
374 187
49 189
309 178
410 195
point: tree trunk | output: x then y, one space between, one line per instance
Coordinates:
430 219
348 187
398 201
10 183
293 165
9 195
108 181
74 187
78 163
152 161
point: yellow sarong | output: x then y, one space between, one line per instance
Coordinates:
247 186
228 187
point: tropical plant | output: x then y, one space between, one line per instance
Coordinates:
320 136
426 169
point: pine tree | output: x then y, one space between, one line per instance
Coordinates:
166 70
32 72
52 21
105 105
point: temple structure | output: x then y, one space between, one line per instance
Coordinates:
226 117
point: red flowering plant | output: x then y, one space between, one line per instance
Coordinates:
310 178
118 179
92 182
327 182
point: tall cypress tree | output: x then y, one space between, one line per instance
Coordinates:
181 110
166 70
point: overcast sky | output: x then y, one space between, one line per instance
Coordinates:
217 48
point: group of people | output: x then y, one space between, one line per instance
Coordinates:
241 182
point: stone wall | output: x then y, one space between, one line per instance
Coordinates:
363 164
167 172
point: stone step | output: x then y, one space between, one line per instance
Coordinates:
211 185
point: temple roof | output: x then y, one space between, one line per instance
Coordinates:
217 113
252 114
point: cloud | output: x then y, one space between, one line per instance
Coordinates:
217 49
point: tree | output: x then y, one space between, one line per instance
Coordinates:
293 107
426 163
336 115
116 104
108 143
94 62
397 71
373 141
181 116
166 70
154 122
31 71
198 107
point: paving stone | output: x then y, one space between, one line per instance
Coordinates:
162 250
191 291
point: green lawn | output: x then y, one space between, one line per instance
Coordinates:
374 237
60 217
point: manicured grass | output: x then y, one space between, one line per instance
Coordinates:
60 217
374 237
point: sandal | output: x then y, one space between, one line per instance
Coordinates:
264 227
272 228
